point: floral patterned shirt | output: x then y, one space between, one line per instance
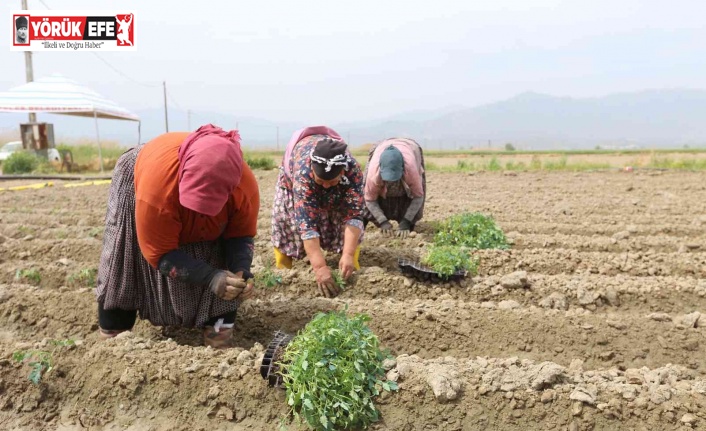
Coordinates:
311 199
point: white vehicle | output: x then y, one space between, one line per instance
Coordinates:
8 149
11 147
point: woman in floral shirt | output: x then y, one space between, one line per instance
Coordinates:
318 205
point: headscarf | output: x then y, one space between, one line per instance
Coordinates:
329 158
210 167
301 134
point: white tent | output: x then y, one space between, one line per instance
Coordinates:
56 94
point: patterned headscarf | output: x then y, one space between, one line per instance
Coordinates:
329 158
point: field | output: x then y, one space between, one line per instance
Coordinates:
589 322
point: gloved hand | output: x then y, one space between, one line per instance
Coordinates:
249 290
327 285
403 228
386 228
227 285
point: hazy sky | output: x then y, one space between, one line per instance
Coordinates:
334 61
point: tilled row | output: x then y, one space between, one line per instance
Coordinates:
427 328
136 381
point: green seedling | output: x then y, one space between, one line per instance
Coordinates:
32 275
333 370
41 362
471 230
268 278
85 277
26 230
338 278
94 232
448 259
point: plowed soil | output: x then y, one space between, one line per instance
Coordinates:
591 321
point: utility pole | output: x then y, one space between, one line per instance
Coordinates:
348 140
28 67
277 138
166 116
188 120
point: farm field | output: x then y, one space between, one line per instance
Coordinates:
590 321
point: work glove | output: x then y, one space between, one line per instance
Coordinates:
386 228
403 228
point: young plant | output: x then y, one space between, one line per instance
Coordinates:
32 275
85 277
95 231
448 259
268 278
41 362
332 372
472 230
26 230
338 278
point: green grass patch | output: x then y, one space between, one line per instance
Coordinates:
493 165
263 162
333 370
661 162
85 154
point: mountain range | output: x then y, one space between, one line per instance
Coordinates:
666 118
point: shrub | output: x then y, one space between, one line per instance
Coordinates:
333 369
447 259
20 162
472 230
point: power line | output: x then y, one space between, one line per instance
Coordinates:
122 74
169 94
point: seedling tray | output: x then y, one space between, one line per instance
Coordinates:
421 272
269 369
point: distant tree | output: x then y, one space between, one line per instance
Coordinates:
598 147
509 147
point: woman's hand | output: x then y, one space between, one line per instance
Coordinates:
327 285
227 285
249 290
345 266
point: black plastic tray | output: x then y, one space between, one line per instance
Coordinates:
269 369
415 269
